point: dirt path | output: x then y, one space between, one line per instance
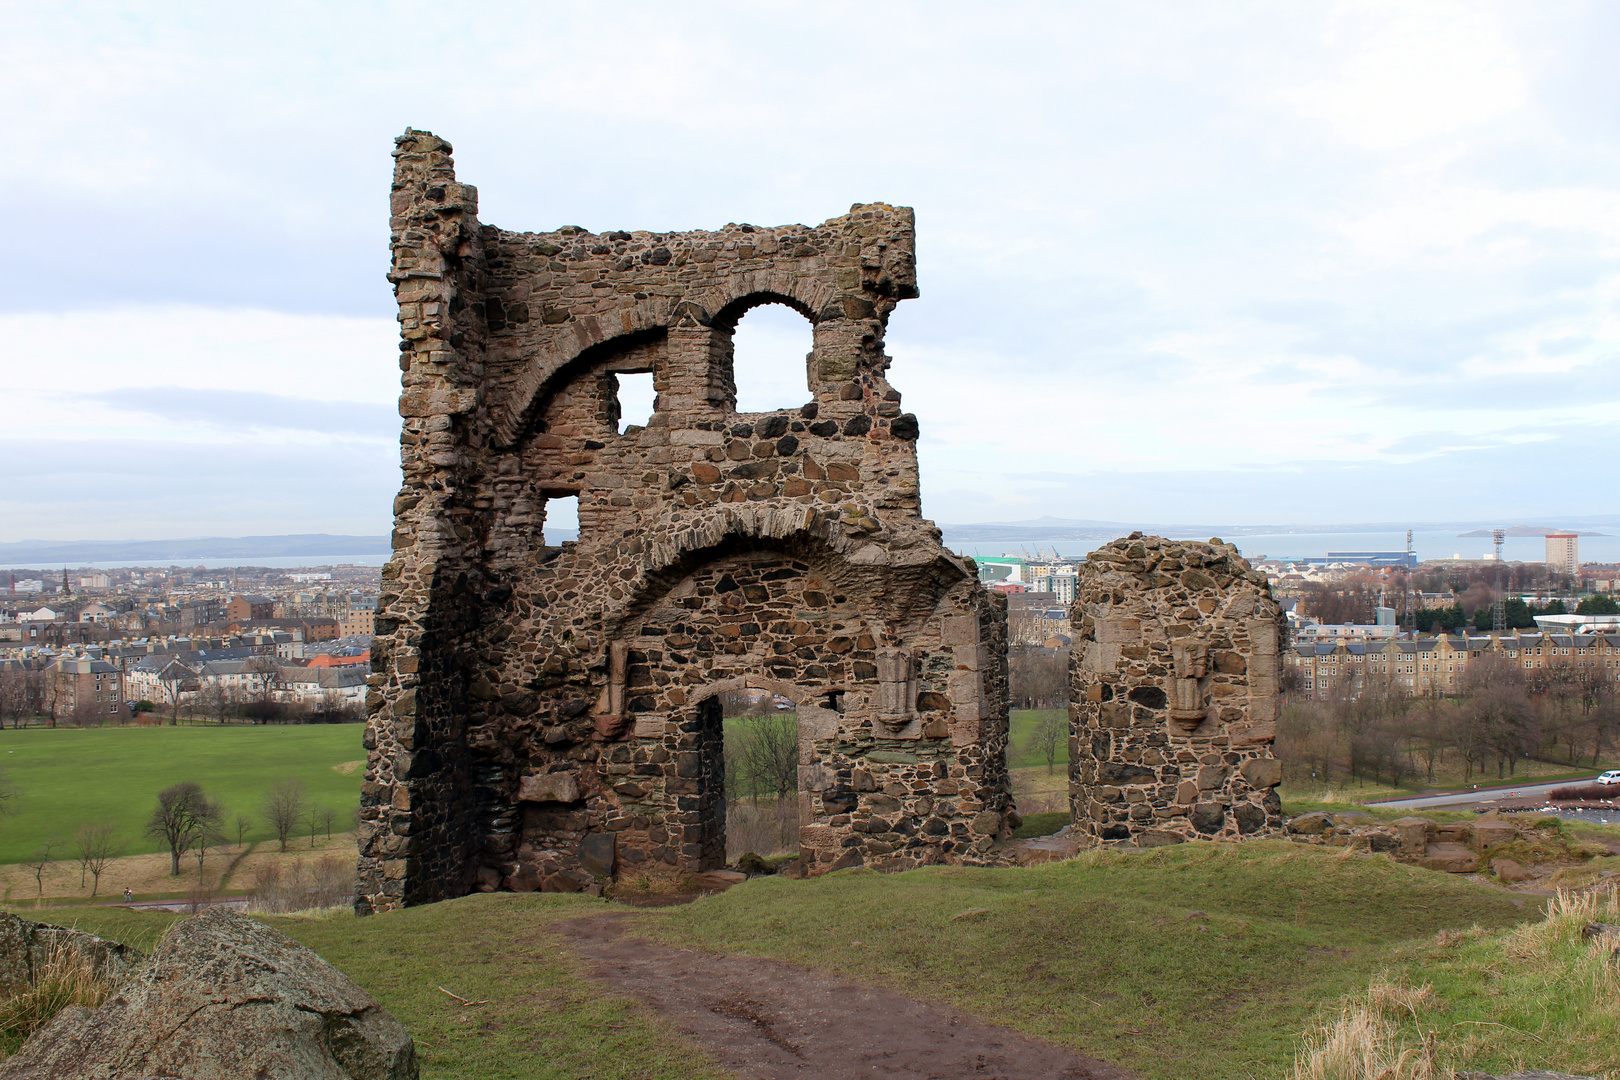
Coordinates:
766 1020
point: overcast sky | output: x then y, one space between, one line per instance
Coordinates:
1232 262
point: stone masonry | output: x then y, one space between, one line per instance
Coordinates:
1173 691
546 716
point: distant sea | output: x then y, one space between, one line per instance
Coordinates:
275 563
1428 546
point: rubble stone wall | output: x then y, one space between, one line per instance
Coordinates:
1173 692
545 715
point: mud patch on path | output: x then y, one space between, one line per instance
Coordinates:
767 1020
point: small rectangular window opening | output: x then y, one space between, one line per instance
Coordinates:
637 399
562 519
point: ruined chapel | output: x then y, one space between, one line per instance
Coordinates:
547 715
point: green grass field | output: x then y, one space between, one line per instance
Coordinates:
69 776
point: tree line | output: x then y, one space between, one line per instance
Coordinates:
1370 727
186 820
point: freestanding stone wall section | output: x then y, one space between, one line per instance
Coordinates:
546 716
1173 691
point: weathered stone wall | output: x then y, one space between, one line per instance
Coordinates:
546 715
1173 691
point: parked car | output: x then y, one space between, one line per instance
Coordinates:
1610 777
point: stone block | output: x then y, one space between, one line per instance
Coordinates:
1491 831
1450 858
1262 772
1251 733
1414 834
549 787
1509 871
598 853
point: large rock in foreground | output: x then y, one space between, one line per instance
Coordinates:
225 998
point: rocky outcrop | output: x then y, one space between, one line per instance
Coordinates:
27 947
224 998
1454 848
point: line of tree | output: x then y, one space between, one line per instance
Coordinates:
1371 728
1038 677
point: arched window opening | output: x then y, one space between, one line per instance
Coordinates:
769 364
761 775
637 399
562 519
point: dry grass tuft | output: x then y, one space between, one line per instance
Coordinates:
1365 1042
1553 967
65 978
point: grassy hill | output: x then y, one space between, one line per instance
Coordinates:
1197 960
68 776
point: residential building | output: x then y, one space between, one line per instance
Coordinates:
248 607
1434 667
1563 553
83 687
360 619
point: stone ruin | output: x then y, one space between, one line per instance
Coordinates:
1173 695
546 715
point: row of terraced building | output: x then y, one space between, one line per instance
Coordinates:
1434 667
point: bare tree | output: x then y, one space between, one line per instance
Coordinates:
95 846
209 835
40 860
1047 738
52 695
284 808
1497 709
14 695
772 755
262 672
243 824
175 681
215 700
183 814
1039 676
327 816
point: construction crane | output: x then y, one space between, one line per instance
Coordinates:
1499 608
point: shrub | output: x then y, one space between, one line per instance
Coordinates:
1585 793
279 888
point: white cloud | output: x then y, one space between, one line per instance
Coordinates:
1423 69
1250 240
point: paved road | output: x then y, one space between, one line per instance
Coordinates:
1529 791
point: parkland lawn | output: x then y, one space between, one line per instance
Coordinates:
65 777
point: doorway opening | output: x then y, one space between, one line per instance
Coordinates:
760 804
